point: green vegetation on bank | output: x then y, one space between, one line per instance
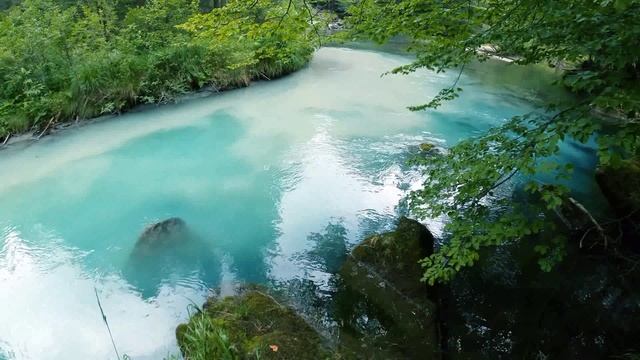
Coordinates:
61 61
596 42
252 325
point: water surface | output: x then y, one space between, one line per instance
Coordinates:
255 173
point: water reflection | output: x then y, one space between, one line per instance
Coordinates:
328 250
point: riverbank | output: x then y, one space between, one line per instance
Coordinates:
379 305
207 91
150 54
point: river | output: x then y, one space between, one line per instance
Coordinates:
254 173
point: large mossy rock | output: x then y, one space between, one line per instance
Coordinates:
395 255
383 301
255 326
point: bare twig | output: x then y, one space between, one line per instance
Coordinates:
6 140
46 128
313 24
285 14
596 224
104 318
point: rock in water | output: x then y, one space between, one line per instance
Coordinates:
621 188
382 284
169 250
161 234
427 147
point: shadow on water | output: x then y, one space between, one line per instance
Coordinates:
502 308
506 307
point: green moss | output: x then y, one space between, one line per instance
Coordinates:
381 283
252 322
395 254
427 147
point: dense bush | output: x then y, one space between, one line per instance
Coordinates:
61 61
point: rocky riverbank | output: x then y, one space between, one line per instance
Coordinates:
383 311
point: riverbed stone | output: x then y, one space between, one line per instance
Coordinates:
383 298
426 147
161 234
256 325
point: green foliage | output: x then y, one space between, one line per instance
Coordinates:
251 325
87 58
203 339
597 41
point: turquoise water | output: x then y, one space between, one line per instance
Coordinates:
254 173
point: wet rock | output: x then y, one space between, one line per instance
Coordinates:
169 250
426 147
383 299
255 325
161 234
431 149
621 188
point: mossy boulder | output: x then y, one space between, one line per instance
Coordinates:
394 255
251 325
383 298
427 147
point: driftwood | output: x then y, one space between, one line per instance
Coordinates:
6 140
46 128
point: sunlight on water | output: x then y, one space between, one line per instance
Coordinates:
253 173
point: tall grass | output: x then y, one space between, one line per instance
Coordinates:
66 63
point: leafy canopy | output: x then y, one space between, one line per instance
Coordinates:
597 42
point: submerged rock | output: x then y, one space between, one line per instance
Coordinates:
161 234
251 325
431 149
383 299
425 147
167 250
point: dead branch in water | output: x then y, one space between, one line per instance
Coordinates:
46 128
6 140
596 224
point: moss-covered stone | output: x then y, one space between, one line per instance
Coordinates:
257 326
427 147
395 255
383 298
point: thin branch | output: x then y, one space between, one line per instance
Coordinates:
46 128
6 140
596 224
313 24
104 318
284 15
